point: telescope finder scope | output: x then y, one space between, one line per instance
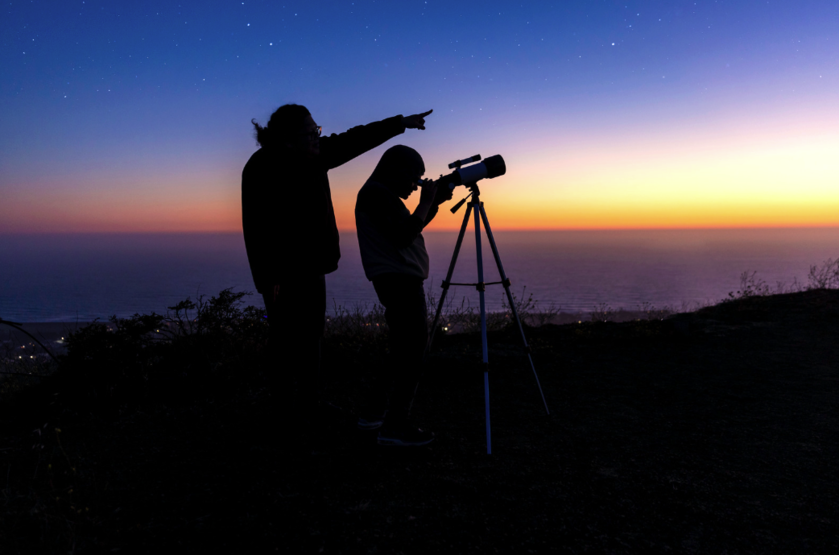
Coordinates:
457 163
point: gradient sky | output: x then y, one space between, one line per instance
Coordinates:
120 116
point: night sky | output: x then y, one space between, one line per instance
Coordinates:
119 116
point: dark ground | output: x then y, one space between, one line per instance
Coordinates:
709 432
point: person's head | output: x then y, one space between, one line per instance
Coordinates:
400 169
291 127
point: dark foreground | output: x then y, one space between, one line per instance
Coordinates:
710 432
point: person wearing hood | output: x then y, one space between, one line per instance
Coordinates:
395 259
291 237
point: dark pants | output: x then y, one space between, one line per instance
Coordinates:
296 310
405 312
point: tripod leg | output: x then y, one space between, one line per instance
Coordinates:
448 279
510 300
485 352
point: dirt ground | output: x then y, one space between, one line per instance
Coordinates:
709 432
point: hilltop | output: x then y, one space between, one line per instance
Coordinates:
709 431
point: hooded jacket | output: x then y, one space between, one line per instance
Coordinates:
287 214
389 236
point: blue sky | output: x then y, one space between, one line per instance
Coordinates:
135 116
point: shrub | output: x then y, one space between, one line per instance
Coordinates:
824 277
197 347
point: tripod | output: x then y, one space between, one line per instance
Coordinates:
478 207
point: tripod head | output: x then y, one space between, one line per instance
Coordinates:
473 192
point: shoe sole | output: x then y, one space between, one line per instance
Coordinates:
390 442
369 427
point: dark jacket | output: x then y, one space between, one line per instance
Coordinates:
389 236
297 236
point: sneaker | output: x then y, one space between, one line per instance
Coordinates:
367 423
405 435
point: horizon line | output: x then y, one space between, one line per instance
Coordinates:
453 230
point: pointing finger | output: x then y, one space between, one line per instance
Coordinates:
426 113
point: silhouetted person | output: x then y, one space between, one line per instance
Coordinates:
292 239
395 260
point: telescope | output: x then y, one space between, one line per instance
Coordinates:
467 175
470 175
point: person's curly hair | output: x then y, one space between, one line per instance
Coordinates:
284 123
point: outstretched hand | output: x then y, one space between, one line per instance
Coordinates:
417 121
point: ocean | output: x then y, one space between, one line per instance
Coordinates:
78 278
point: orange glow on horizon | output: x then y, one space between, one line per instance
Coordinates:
782 173
113 213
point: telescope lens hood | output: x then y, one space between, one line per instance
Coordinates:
495 166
